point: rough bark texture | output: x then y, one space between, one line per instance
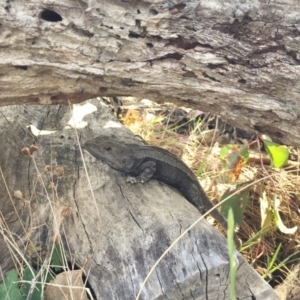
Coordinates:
118 237
236 58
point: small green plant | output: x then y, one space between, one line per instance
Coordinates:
237 201
279 154
30 288
233 157
9 289
30 284
12 288
253 240
271 262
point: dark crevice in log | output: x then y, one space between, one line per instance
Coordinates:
50 16
186 43
153 12
242 81
134 35
190 74
177 8
175 55
205 75
21 67
80 31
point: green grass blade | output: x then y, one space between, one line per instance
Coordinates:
231 251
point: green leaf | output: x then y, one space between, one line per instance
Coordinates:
283 263
9 288
25 286
57 258
275 256
237 202
49 275
231 250
279 154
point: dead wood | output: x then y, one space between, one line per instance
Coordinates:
236 58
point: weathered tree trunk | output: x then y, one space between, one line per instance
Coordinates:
117 234
236 58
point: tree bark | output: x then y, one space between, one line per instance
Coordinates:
236 58
117 234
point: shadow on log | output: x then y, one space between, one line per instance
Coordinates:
115 233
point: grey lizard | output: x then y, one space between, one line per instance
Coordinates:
143 162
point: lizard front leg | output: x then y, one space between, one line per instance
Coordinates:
144 172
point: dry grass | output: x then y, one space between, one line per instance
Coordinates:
203 158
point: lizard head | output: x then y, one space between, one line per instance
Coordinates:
112 152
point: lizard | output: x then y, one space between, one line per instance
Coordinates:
144 162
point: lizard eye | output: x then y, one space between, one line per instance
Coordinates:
107 148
